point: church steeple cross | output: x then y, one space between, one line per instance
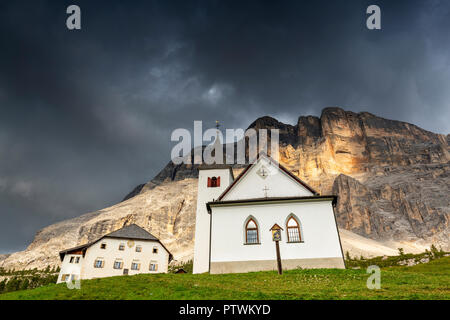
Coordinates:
265 189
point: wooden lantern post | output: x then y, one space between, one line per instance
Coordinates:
276 236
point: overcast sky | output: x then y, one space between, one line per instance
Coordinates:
87 115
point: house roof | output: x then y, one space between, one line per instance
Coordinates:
131 231
298 180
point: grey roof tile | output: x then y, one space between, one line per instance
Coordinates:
132 231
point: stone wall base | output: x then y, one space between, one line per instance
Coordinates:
268 265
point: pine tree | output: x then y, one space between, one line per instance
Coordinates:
25 284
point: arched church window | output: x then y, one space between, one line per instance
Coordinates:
213 182
251 232
293 230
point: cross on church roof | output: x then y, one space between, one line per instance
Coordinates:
265 189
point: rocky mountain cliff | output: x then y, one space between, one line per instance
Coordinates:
391 178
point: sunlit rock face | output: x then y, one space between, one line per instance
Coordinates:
391 178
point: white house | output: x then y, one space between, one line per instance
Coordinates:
234 218
127 251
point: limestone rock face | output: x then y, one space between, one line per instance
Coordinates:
391 178
3 257
167 211
405 204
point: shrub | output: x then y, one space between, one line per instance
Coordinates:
347 256
186 266
24 285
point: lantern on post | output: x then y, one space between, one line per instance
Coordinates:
276 236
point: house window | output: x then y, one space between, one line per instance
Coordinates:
118 264
135 266
251 232
77 260
121 246
65 277
71 259
155 249
138 248
213 182
293 230
103 246
99 263
153 266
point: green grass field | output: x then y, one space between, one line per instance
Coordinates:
424 281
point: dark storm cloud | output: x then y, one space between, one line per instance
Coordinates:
86 115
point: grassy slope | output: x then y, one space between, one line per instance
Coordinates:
426 281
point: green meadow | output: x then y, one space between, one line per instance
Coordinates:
423 281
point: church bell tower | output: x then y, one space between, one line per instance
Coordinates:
212 182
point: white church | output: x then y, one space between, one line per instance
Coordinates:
235 216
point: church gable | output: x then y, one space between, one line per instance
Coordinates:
266 179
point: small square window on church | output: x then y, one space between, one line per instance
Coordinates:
71 259
138 248
103 246
155 250
213 182
121 247
77 259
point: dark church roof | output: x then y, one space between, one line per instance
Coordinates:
132 231
210 204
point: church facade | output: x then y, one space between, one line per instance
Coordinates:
235 217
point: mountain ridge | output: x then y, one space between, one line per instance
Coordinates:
392 181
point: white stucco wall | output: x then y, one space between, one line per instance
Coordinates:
318 226
70 268
202 218
111 253
278 183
